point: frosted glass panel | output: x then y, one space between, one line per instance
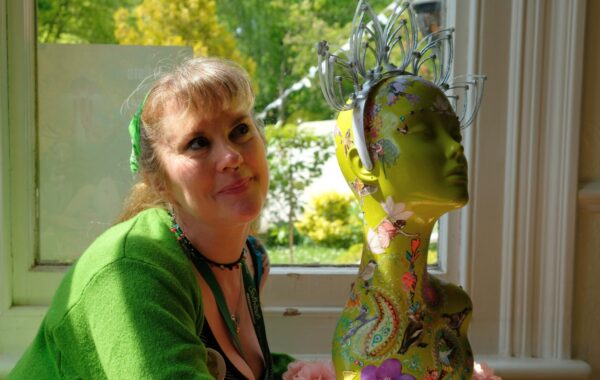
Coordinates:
83 140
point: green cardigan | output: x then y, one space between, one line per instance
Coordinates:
130 308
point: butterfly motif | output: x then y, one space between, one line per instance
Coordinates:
347 141
376 151
374 242
395 211
361 189
442 105
386 231
381 237
455 320
412 333
336 132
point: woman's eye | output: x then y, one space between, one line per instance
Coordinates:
240 131
198 143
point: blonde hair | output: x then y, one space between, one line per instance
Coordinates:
199 85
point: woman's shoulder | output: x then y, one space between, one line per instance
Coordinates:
141 250
133 286
146 237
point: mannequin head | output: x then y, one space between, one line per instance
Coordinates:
413 138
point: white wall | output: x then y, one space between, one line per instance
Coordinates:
586 300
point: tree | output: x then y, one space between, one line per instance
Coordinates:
179 23
77 21
296 158
260 26
280 35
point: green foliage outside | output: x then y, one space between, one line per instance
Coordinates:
329 232
274 39
332 220
432 256
179 23
278 235
310 254
280 35
296 157
62 21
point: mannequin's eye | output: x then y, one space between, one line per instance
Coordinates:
455 133
423 130
403 129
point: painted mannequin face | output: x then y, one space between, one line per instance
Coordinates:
413 137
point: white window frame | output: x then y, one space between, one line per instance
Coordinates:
511 247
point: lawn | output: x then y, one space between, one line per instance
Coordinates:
310 254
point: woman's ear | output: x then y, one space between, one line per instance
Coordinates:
359 169
159 186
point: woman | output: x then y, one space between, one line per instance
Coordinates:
172 288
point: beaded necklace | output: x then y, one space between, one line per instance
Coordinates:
176 229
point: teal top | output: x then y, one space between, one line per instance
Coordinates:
130 308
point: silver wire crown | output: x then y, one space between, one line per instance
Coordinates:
376 40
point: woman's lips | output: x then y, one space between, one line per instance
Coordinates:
236 187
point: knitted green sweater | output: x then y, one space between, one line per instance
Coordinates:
130 308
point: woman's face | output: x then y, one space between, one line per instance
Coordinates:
215 166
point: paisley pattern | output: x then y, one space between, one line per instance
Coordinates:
382 338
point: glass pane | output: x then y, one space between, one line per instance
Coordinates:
433 256
83 141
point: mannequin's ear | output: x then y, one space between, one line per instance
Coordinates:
357 167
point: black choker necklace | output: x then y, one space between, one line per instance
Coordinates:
176 229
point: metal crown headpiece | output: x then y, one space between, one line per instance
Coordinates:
376 40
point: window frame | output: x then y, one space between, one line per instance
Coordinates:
517 267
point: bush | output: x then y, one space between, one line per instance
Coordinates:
278 235
332 219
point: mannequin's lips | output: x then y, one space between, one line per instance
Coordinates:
459 172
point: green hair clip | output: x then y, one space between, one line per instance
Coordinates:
134 132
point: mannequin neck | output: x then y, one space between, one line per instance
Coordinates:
397 240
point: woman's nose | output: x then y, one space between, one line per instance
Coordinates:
229 157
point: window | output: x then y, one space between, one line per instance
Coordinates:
80 84
510 248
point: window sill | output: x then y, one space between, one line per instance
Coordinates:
589 196
522 369
507 368
529 368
